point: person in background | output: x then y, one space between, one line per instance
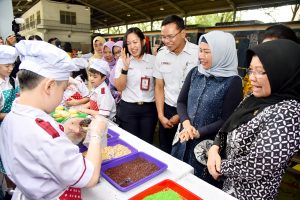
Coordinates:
101 101
68 49
98 43
40 144
279 31
77 92
9 90
55 41
173 62
35 37
209 95
263 133
133 77
116 49
1 41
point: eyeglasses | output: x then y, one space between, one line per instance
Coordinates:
169 37
256 73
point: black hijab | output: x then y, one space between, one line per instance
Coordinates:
281 61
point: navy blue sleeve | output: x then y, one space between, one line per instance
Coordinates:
183 97
232 99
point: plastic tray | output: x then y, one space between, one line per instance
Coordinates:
184 193
113 135
119 141
162 167
133 150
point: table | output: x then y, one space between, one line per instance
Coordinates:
177 171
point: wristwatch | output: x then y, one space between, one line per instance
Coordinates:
124 72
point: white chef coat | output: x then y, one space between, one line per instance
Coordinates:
102 100
41 166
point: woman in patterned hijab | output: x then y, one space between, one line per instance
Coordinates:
263 133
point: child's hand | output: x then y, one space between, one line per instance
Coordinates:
71 102
73 130
96 130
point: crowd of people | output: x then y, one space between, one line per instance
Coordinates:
192 93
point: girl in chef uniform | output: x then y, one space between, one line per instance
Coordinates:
43 162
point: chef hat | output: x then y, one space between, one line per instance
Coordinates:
8 54
81 63
45 59
101 66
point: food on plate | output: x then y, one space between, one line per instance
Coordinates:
166 194
111 152
117 151
133 171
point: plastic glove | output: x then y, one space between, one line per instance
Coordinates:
73 130
97 132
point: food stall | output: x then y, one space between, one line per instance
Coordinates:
176 171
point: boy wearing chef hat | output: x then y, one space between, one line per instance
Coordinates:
42 155
77 92
9 89
101 99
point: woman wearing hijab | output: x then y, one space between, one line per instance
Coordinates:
98 43
209 95
263 133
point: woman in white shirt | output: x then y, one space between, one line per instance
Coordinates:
134 78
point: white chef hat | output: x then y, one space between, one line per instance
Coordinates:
81 63
8 54
45 59
101 66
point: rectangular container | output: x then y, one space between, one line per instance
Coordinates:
133 150
119 141
162 167
183 192
112 135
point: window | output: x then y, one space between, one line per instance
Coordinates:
67 17
32 21
27 23
38 17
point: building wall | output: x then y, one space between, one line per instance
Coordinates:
50 26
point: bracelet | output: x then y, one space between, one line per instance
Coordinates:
124 71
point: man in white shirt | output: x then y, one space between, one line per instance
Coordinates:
172 64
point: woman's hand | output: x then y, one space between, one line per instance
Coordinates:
214 162
125 58
189 132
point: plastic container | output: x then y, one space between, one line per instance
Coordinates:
162 167
116 142
166 184
133 150
112 135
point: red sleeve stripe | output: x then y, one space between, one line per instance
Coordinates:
82 172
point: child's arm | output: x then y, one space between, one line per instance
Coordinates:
75 102
2 115
98 128
89 111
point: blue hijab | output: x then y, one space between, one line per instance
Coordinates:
224 54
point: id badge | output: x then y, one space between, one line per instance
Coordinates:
145 83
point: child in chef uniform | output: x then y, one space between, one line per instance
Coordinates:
42 162
8 86
101 99
77 92
9 89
